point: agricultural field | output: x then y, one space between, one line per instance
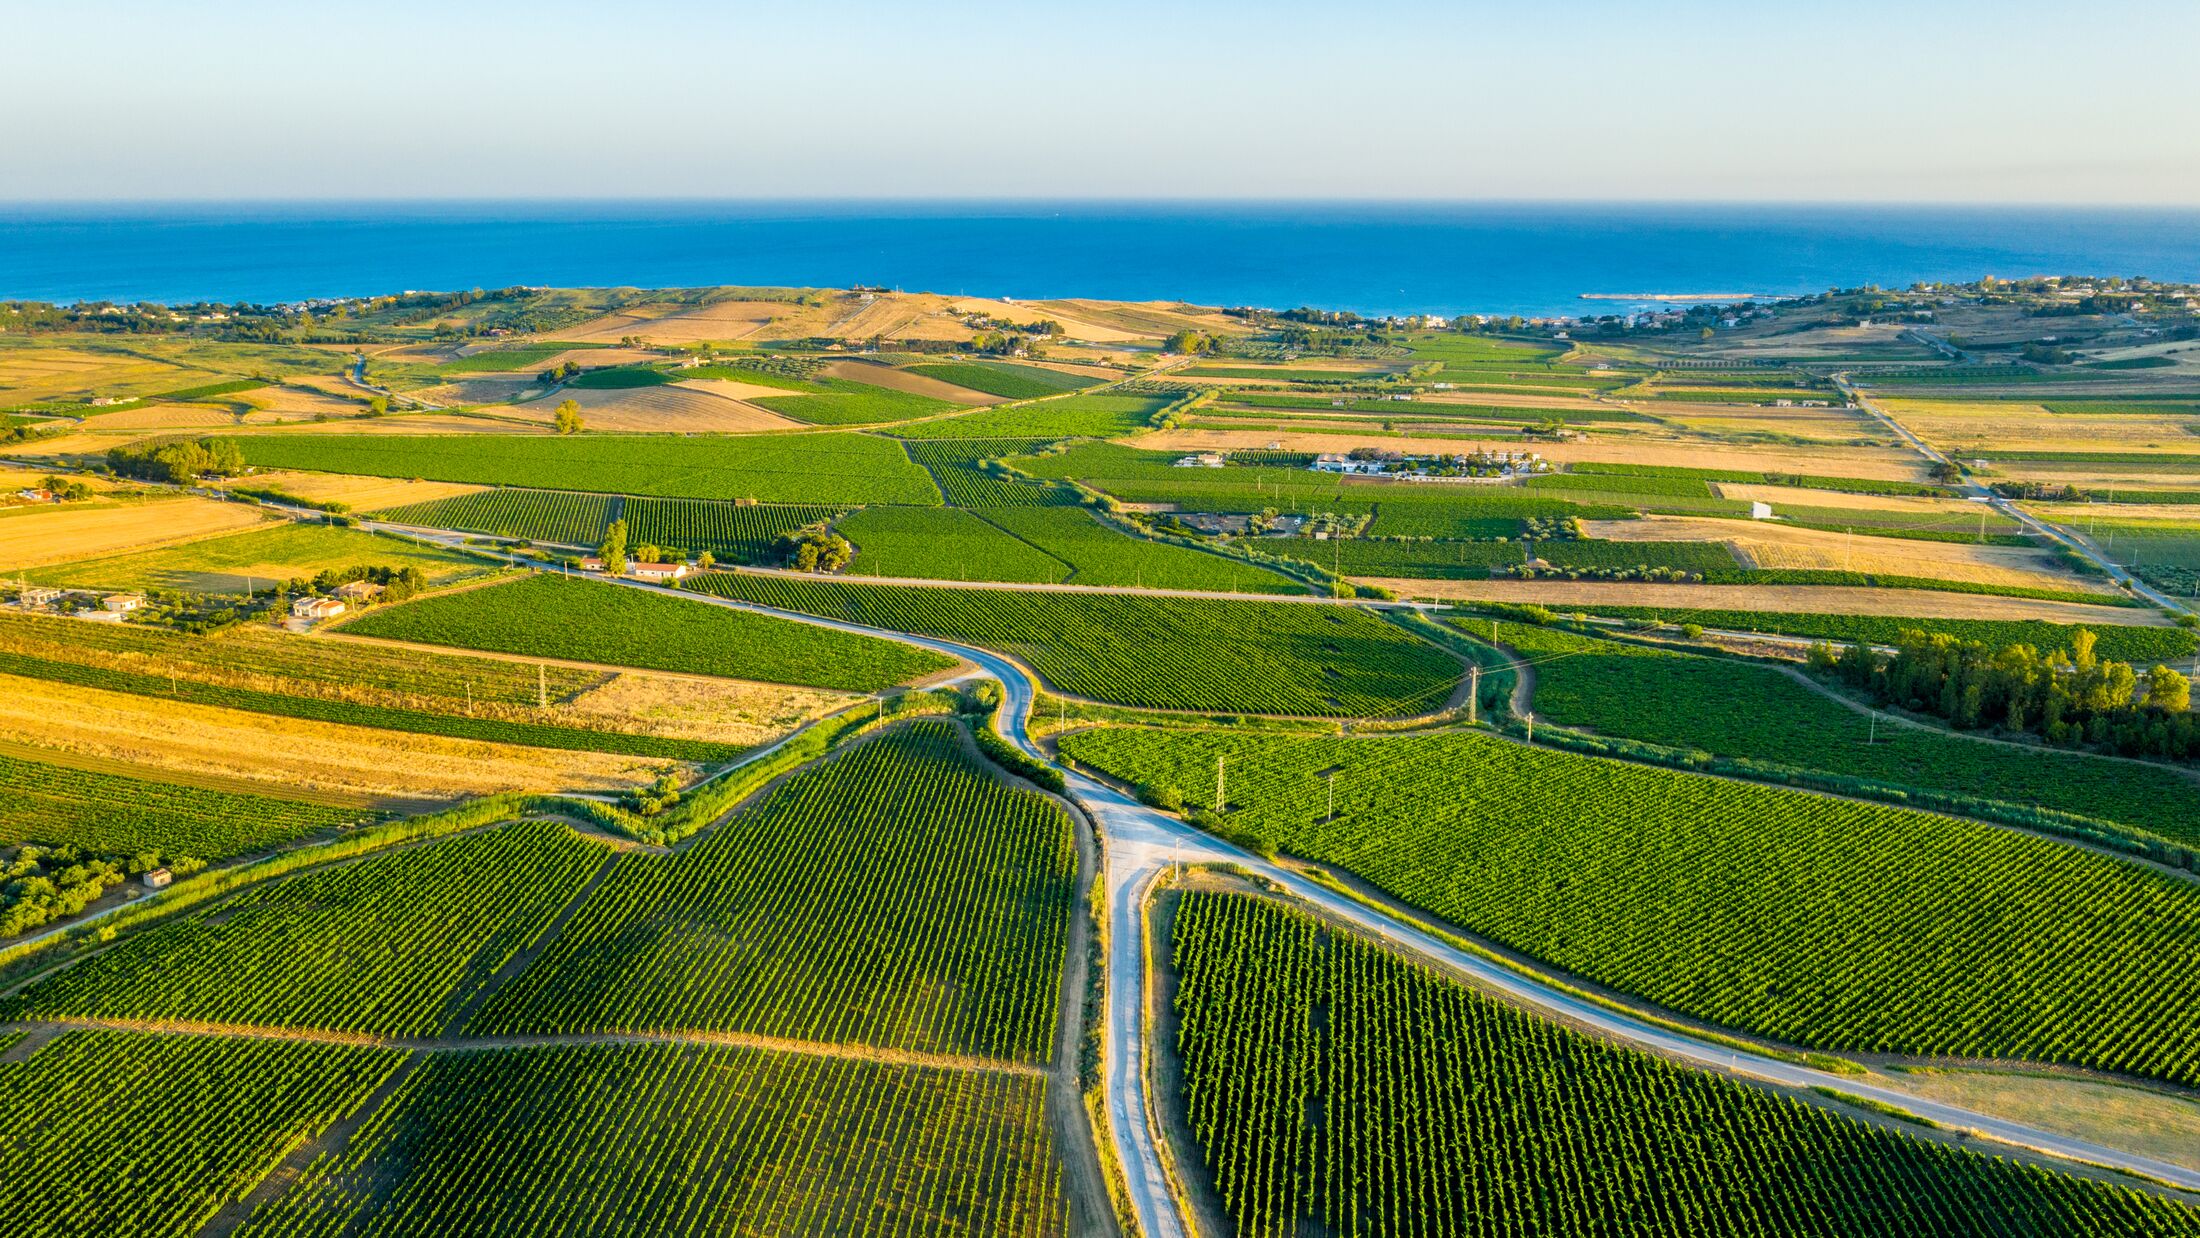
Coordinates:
35 536
1760 713
767 468
913 903
686 1140
1809 920
262 558
533 515
2118 642
1074 416
1102 555
1836 594
1006 379
392 945
1462 560
133 1135
111 814
945 543
1332 1086
544 615
732 532
1162 653
959 466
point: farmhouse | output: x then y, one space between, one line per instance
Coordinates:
658 571
358 591
121 603
35 494
37 596
316 608
591 563
1202 460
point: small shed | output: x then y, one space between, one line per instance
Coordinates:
158 879
316 608
1760 511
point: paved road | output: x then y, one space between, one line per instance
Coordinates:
2053 532
1142 843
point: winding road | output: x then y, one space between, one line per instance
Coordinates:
1140 846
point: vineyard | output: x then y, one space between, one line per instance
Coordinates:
957 464
1440 560
1105 556
1164 653
550 616
1331 1086
895 896
841 402
1011 382
534 515
731 532
1829 923
388 946
2121 642
115 815
138 1136
768 468
651 1140
943 543
1736 709
1076 416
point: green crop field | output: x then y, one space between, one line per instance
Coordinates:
1443 560
535 515
116 815
131 1135
545 615
525 358
944 543
911 901
1106 556
840 402
1075 416
619 378
1816 921
1006 379
682 1141
2121 642
731 532
1333 1087
1424 409
263 556
958 465
769 468
389 946
1164 653
1758 713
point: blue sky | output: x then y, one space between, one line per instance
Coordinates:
1954 100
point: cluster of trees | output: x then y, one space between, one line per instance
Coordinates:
815 549
39 885
568 416
559 373
177 463
398 583
1639 572
2039 490
2070 696
655 798
613 549
1008 344
1552 529
63 488
1189 343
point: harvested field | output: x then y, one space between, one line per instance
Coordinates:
165 417
294 403
477 390
293 752
905 381
721 320
283 550
36 536
674 409
419 423
364 494
730 389
1767 544
1797 496
1883 465
1961 426
1811 599
12 480
726 711
29 375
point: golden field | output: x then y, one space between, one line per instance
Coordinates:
33 537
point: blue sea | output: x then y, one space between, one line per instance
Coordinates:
1375 259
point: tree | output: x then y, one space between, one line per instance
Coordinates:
705 561
647 553
2168 691
1188 342
613 550
569 417
815 549
378 406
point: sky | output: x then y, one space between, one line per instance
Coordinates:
1972 101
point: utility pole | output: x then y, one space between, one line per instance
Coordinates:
1531 728
1474 694
1219 800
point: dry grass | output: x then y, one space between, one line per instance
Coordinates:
1812 599
364 494
719 321
2130 1119
28 375
676 408
692 707
1887 464
12 480
43 535
203 740
1768 544
1957 426
1795 496
165 417
420 423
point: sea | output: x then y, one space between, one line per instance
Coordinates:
1378 259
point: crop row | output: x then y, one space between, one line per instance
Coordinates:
765 468
957 464
1013 382
895 896
944 543
389 946
737 532
1102 555
1074 416
1830 923
665 1141
116 815
1328 1082
2121 642
141 1136
535 515
1158 652
1739 709
545 615
1443 560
